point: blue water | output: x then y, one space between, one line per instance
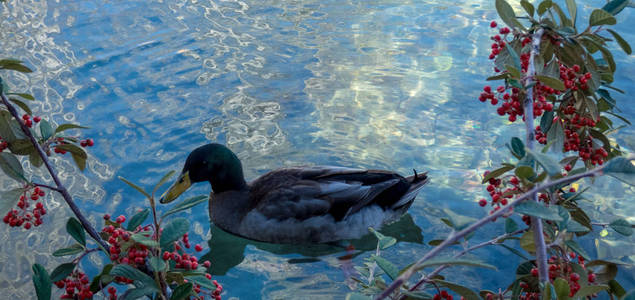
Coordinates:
375 84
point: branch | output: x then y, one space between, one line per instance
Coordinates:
60 187
465 251
458 235
47 186
528 107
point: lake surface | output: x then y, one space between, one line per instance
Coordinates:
373 84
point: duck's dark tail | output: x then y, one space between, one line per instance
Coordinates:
417 181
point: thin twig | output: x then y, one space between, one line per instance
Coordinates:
60 187
497 214
528 107
47 186
465 251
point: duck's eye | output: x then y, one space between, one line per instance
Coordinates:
181 180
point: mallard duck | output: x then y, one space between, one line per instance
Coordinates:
296 205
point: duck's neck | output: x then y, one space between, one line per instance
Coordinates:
228 177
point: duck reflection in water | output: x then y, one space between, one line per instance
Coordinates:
227 250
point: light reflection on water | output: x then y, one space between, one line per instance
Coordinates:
381 84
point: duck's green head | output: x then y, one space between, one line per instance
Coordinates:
212 162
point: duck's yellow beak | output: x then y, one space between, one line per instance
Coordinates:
181 185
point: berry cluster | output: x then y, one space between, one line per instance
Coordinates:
559 268
124 250
76 285
112 293
29 122
23 216
442 295
500 191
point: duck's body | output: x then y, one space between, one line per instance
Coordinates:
301 204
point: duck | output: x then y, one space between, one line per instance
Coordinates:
296 205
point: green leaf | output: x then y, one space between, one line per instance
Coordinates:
529 8
506 12
465 292
454 262
74 249
202 281
622 42
136 187
42 282
138 293
389 268
622 169
185 204
512 250
62 271
544 6
574 226
562 288
103 279
10 130
45 129
551 82
157 264
67 127
162 181
512 53
12 166
497 172
131 273
589 290
173 231
556 134
518 147
182 291
539 210
78 154
548 292
16 67
498 77
36 159
524 172
545 121
622 227
383 241
9 199
601 17
510 225
22 147
550 165
615 6
604 270
22 105
616 289
137 219
23 95
577 249
140 238
572 8
75 229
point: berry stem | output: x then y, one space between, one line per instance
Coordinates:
536 223
60 187
497 214
52 188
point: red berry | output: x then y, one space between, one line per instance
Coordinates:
574 277
493 24
482 202
90 142
207 264
37 119
25 117
198 248
534 272
591 277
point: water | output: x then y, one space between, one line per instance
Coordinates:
377 84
